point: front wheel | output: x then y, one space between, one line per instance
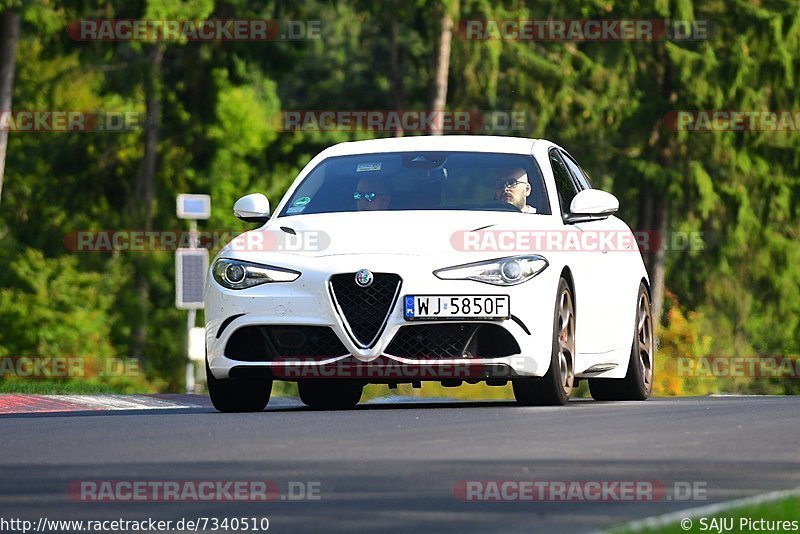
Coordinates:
638 381
238 394
555 387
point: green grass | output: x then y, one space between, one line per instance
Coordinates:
429 389
50 387
787 509
473 392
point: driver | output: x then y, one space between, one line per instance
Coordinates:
373 193
512 186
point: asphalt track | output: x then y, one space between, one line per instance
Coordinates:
392 466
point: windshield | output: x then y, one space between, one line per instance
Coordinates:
422 181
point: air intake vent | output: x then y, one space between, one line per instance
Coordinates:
432 341
285 342
452 340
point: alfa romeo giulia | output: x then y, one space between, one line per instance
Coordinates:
447 258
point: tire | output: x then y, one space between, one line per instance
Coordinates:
331 394
555 387
638 381
238 395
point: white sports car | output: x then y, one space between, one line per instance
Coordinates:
447 258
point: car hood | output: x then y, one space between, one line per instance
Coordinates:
412 233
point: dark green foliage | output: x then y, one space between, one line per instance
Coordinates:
603 101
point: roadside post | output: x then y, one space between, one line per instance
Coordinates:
191 267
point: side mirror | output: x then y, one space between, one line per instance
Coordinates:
592 204
252 208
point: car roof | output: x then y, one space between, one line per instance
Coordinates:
454 143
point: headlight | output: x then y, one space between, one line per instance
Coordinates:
235 274
500 272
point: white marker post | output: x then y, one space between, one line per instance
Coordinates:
191 266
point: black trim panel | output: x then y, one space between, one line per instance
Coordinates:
227 323
520 323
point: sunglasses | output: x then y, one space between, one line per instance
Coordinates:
369 196
508 184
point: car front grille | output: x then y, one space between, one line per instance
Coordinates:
285 342
452 340
364 310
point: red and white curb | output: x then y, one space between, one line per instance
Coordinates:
18 404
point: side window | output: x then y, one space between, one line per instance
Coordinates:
577 172
565 186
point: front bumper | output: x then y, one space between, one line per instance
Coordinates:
308 302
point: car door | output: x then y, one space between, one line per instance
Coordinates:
613 258
589 269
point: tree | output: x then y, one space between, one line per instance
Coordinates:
441 71
146 182
9 35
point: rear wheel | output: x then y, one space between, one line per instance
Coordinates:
638 381
332 394
555 387
238 394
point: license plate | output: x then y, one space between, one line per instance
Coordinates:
429 307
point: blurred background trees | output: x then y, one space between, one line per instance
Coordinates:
210 128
